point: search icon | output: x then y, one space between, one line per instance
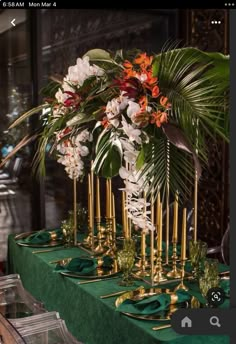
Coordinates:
214 321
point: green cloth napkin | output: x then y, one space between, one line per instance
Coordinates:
153 304
84 265
42 237
225 285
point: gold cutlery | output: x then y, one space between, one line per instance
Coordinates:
113 294
97 280
49 250
59 260
161 327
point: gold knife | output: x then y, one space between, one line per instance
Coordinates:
161 327
113 294
97 280
49 250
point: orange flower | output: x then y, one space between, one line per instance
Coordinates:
130 73
159 118
164 102
143 102
127 64
155 91
143 60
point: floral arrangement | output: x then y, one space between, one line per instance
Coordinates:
141 116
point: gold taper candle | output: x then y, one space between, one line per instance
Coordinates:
143 236
175 222
75 210
184 234
98 205
113 216
107 198
92 206
91 209
158 209
110 199
125 233
159 239
152 241
89 196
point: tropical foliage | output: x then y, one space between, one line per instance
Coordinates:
143 117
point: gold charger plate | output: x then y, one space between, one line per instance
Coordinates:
97 273
25 235
164 315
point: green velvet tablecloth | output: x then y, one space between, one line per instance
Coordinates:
89 318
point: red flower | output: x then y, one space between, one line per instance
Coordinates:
73 100
105 122
132 87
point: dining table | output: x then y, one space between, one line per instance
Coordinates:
90 318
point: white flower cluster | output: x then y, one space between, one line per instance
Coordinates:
78 73
72 151
114 108
135 205
75 78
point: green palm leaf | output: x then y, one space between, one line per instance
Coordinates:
175 168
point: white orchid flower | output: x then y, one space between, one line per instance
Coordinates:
132 133
61 97
133 108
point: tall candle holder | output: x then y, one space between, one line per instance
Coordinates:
75 210
183 250
167 204
88 239
143 262
112 248
182 273
92 206
175 272
99 248
159 275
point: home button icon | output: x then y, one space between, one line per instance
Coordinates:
186 322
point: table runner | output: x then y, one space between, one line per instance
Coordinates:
89 318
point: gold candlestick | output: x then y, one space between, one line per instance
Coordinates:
112 224
175 273
152 242
143 263
167 203
75 210
88 239
108 241
184 235
159 276
92 206
125 234
113 216
195 192
183 250
99 248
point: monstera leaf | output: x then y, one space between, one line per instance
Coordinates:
108 154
